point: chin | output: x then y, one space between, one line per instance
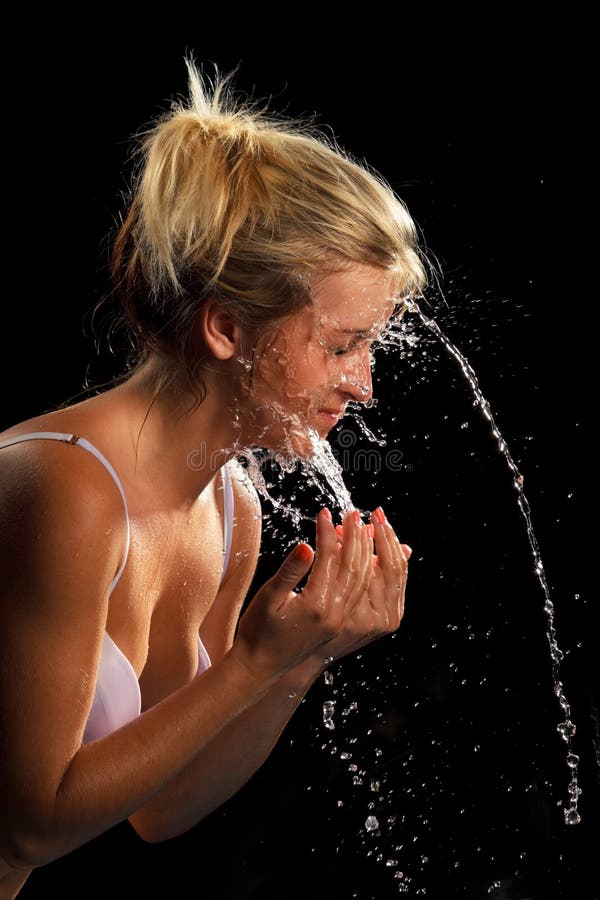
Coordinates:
295 443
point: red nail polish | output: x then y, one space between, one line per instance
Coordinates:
302 552
379 515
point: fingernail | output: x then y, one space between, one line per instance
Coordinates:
356 517
302 552
379 515
407 550
340 529
327 514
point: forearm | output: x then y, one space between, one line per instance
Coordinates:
231 758
108 779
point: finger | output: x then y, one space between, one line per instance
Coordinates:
363 578
293 569
326 561
339 530
394 565
349 555
391 559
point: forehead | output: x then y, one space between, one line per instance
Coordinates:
355 298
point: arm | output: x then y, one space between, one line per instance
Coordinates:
234 755
58 558
226 764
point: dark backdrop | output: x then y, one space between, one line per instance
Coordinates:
456 718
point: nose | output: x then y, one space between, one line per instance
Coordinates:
355 379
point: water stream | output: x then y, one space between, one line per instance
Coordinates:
566 727
324 472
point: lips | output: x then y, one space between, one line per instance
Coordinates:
332 415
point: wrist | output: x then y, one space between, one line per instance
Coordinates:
306 673
250 670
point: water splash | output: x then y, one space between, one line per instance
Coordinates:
565 728
321 472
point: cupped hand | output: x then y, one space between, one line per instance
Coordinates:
351 597
381 607
280 627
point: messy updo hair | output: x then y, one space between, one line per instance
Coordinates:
232 201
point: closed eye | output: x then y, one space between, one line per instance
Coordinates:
340 351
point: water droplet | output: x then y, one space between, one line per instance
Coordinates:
328 711
567 729
371 823
572 817
292 694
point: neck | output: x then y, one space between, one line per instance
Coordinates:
176 449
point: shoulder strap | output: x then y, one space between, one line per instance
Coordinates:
87 445
228 506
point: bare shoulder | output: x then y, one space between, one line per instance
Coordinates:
63 534
52 492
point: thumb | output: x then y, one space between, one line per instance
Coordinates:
294 568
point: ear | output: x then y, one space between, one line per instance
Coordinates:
217 329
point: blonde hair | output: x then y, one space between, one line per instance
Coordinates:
236 202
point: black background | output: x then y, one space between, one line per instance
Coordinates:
485 134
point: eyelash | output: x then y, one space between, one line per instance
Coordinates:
340 351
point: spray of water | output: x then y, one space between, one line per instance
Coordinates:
566 727
323 472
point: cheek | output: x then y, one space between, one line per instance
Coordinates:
292 375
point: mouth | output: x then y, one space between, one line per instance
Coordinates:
330 415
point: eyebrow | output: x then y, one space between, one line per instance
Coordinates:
362 331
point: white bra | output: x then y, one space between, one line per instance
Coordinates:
117 698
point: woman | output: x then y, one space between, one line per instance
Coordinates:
255 267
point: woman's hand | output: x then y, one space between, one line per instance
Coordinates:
381 608
281 628
350 598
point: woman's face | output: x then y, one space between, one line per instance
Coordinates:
316 361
